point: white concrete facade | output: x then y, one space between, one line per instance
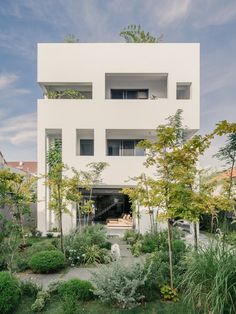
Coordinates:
158 68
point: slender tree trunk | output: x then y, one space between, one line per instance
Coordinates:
138 218
61 231
195 235
60 217
170 252
20 223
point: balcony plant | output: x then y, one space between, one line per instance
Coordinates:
65 94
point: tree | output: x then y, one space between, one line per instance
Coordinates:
88 179
70 38
63 190
17 193
227 154
174 188
142 194
135 34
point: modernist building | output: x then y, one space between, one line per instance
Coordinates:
128 90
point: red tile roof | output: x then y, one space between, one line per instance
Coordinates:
27 166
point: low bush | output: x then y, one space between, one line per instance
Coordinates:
47 261
120 285
169 294
9 292
41 246
40 301
150 241
158 262
95 255
29 288
81 290
89 246
209 284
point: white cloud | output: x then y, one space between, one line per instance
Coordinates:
19 130
7 79
168 12
213 12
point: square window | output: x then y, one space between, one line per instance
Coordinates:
183 90
86 147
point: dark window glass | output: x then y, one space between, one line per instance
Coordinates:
129 93
114 147
128 147
117 94
86 147
183 91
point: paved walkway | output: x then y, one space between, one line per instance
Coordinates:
84 273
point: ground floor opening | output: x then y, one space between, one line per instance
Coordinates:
110 207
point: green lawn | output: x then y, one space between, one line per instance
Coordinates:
54 306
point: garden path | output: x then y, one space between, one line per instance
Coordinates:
84 273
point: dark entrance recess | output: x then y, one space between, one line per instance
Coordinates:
109 203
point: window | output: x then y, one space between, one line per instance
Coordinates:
183 90
129 93
86 147
124 148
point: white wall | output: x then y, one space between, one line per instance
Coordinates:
71 63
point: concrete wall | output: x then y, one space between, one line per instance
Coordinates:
80 63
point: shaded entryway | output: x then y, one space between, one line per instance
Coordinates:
109 203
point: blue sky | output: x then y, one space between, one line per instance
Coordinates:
23 23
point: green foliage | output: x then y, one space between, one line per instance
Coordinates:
169 294
120 285
29 288
209 282
41 246
47 261
54 154
70 38
95 255
87 246
17 193
53 287
40 302
65 94
135 34
151 241
130 236
9 292
78 289
158 261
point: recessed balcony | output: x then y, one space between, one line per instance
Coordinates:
68 91
136 86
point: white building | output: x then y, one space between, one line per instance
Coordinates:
129 89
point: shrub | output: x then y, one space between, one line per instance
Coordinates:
87 246
120 285
41 246
94 254
131 236
96 234
53 287
29 288
47 261
78 289
169 294
9 292
209 283
158 261
40 301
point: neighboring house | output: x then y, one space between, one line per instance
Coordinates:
29 167
128 90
